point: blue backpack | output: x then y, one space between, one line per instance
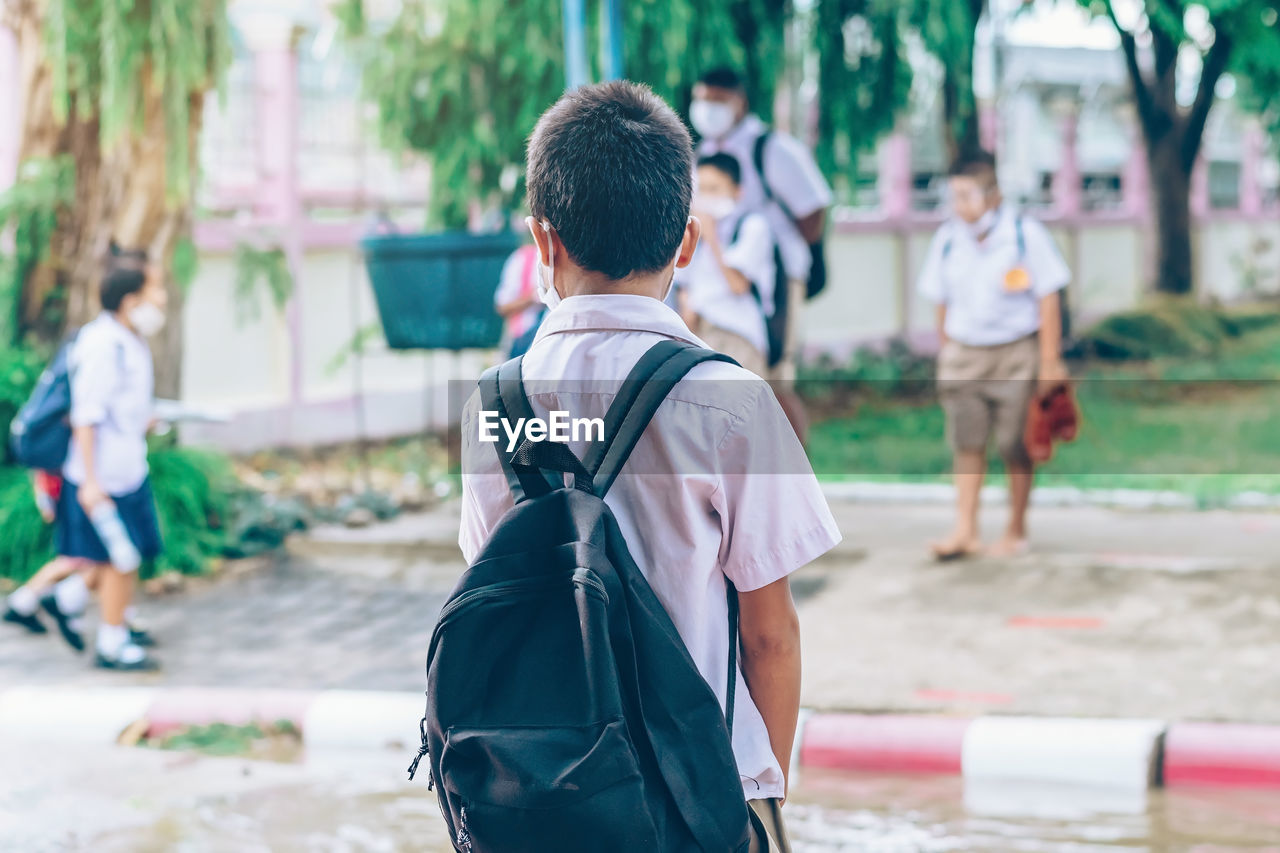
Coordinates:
40 435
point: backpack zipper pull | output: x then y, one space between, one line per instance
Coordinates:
423 750
464 834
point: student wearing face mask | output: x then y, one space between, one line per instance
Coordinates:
106 514
996 279
727 290
781 179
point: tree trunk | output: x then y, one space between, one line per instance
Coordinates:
1171 196
121 195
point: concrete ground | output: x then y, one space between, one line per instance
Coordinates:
1166 614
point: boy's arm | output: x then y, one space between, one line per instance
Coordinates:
1052 370
942 324
738 282
770 637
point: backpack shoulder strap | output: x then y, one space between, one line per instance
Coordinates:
757 159
648 364
651 387
523 483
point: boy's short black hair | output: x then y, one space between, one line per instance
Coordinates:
975 163
726 163
722 77
125 273
611 169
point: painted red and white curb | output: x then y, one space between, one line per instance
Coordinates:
1120 754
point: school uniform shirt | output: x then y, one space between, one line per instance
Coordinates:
718 486
793 178
970 278
708 290
112 389
518 279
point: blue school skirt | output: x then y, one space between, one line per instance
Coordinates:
76 537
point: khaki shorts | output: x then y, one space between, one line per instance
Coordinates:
785 370
768 834
987 391
735 346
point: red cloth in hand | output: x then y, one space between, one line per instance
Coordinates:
1053 417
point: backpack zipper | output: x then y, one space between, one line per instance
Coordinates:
423 752
464 834
582 576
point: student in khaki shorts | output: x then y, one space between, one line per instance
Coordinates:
996 277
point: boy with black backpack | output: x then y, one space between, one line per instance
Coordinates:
620 666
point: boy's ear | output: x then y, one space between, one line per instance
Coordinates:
542 239
692 233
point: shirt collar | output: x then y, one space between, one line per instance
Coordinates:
1002 229
615 312
745 132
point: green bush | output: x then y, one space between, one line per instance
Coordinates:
1170 329
893 371
204 511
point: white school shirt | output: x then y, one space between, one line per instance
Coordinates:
793 178
709 293
969 278
112 389
717 486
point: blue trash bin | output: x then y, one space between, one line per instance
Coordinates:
435 291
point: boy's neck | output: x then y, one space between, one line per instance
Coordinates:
653 285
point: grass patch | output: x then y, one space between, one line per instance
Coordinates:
1203 426
279 741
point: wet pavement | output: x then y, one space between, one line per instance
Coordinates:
120 800
286 624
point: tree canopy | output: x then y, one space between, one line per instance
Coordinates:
464 81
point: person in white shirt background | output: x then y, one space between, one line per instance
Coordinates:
111 377
727 290
791 192
996 278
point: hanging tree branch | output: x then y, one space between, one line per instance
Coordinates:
1215 63
1141 94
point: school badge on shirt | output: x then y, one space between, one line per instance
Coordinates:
1017 280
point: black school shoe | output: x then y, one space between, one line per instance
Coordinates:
29 621
66 623
141 663
141 637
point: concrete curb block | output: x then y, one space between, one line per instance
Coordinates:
1222 754
353 719
70 715
885 743
1120 754
1087 752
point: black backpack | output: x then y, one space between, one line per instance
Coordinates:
817 281
563 710
775 324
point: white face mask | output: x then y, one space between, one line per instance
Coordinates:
546 275
717 206
984 224
711 119
545 279
146 319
